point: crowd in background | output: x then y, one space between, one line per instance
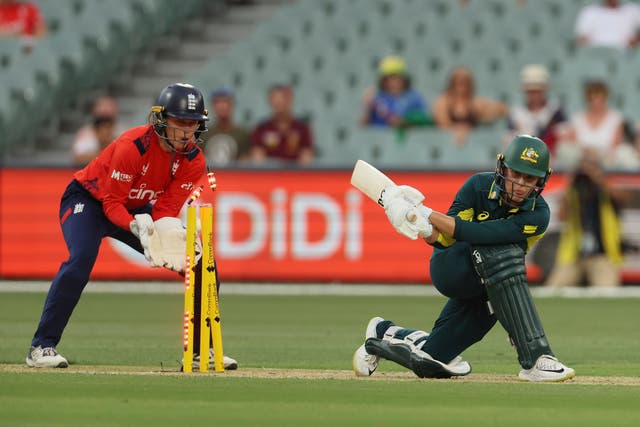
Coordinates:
393 102
593 138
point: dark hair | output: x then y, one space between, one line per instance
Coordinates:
103 120
595 86
406 77
465 70
279 86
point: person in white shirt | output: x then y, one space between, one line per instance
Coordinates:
92 138
600 128
538 115
609 24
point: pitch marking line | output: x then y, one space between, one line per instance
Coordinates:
306 374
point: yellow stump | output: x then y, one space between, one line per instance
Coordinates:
210 308
189 284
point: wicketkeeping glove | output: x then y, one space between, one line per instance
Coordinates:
143 228
172 243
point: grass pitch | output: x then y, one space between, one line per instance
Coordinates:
295 360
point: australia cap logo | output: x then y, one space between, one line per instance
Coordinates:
529 155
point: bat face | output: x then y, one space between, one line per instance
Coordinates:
370 181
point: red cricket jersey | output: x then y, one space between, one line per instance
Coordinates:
283 143
134 170
20 18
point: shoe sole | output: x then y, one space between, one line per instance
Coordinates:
557 380
32 364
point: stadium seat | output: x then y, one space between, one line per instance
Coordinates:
9 50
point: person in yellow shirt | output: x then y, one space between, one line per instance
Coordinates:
589 250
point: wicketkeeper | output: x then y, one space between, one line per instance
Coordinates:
133 192
479 264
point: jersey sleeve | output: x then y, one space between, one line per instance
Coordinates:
171 201
461 208
523 226
306 137
124 165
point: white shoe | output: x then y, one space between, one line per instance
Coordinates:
371 327
547 368
47 357
229 363
365 364
459 366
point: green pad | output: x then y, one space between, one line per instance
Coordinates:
502 270
402 354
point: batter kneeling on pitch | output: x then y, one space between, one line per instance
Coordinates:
133 192
479 264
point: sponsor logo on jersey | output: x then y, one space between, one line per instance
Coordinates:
482 216
175 167
142 193
121 176
145 168
187 185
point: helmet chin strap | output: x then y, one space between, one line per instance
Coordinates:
162 134
507 196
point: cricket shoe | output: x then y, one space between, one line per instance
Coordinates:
365 364
229 363
547 368
47 357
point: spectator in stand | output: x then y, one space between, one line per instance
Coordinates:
611 23
22 20
590 247
601 129
539 115
91 139
393 103
459 110
282 137
225 143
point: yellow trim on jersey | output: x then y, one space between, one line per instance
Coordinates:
466 215
532 240
529 229
445 240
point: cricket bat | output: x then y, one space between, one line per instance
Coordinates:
371 182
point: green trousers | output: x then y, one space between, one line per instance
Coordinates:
465 318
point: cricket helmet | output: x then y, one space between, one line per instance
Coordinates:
528 155
182 101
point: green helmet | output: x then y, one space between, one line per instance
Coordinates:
525 154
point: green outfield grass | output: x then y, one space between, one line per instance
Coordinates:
140 333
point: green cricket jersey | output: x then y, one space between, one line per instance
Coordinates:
482 218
